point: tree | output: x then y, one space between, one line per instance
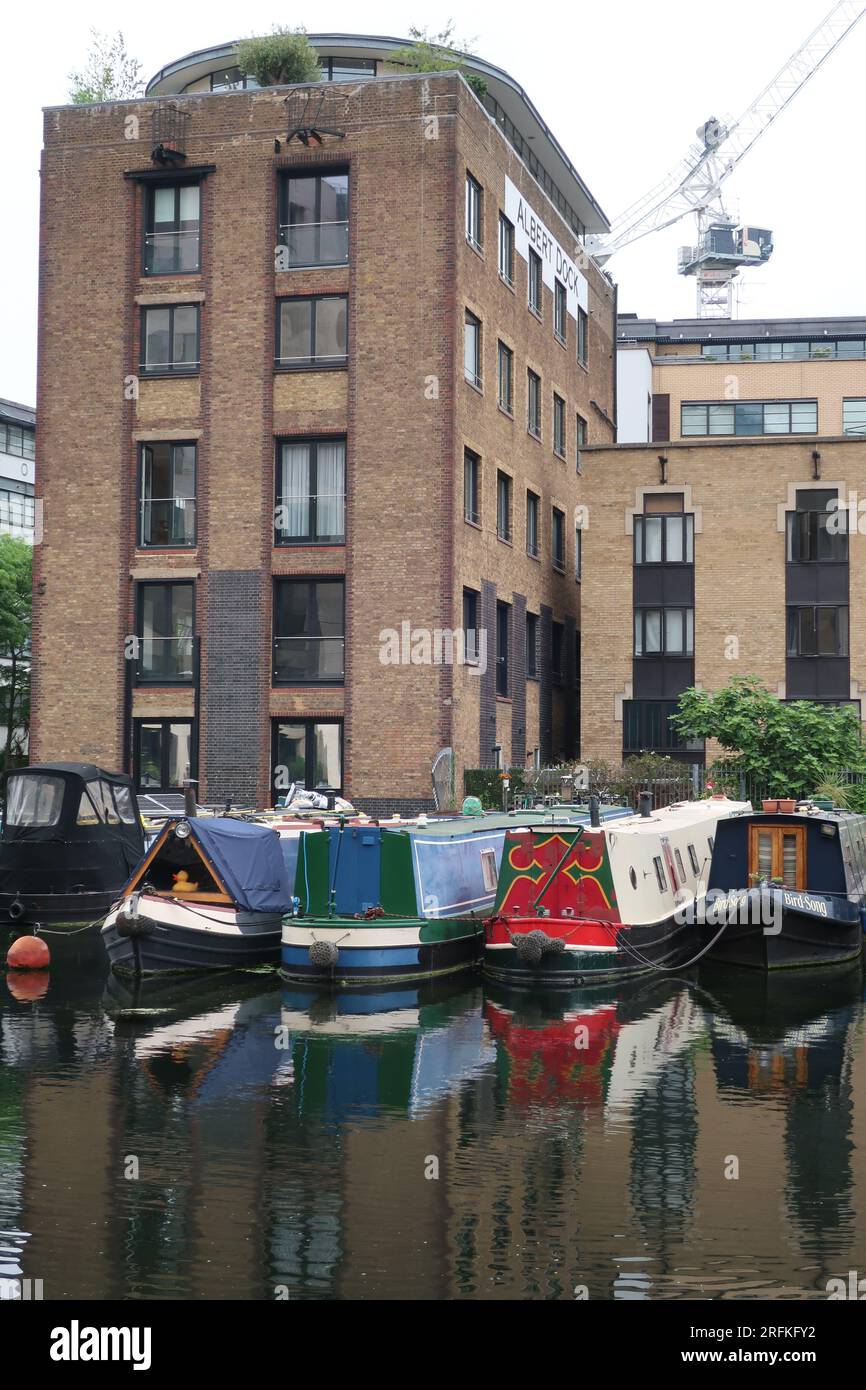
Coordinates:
16 587
436 53
110 75
280 58
788 748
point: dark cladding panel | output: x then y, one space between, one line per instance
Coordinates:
233 652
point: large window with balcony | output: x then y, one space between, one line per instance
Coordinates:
172 229
311 492
170 340
163 754
308 753
749 418
166 512
309 631
165 633
664 632
664 540
854 416
817 630
312 332
314 219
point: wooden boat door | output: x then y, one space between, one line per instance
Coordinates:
778 851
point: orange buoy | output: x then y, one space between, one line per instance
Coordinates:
28 953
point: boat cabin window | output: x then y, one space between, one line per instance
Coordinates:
633 878
178 869
124 804
711 842
34 800
488 869
778 851
660 875
693 860
87 812
680 866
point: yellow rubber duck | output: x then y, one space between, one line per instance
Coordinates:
182 883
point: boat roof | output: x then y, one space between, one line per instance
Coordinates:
682 814
88 772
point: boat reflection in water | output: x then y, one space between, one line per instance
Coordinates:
384 1050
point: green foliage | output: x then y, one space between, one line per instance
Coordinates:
109 75
836 792
280 58
16 582
486 784
787 748
436 53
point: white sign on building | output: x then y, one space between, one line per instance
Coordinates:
556 264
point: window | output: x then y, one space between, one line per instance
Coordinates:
816 630
680 866
693 860
230 80
578 553
172 236
34 800
503 634
471 487
817 536
314 219
163 754
506 379
558 425
474 213
533 404
664 540
557 545
347 69
310 492
749 418
312 332
777 851
532 645
556 644
660 874
841 349
489 871
503 506
582 337
472 349
532 504
170 340
560 319
470 624
165 632
167 499
308 631
309 753
506 249
580 430
17 440
854 417
664 632
534 282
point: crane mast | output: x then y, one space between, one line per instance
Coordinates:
695 185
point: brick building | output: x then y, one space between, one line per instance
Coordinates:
334 352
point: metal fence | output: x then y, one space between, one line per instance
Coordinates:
551 786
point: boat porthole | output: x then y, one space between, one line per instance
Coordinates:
633 876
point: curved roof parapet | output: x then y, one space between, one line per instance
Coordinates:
507 103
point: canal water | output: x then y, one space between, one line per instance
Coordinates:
690 1138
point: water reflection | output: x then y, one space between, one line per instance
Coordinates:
231 1139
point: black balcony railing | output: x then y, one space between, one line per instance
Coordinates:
314 243
309 660
165 660
168 521
171 253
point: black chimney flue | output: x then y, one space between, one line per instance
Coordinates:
646 803
594 816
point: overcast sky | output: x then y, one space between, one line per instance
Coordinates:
622 85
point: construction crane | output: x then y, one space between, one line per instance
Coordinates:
695 186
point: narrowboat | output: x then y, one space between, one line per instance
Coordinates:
382 903
71 836
209 894
787 889
602 902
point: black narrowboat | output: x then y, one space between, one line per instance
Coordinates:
71 836
787 889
